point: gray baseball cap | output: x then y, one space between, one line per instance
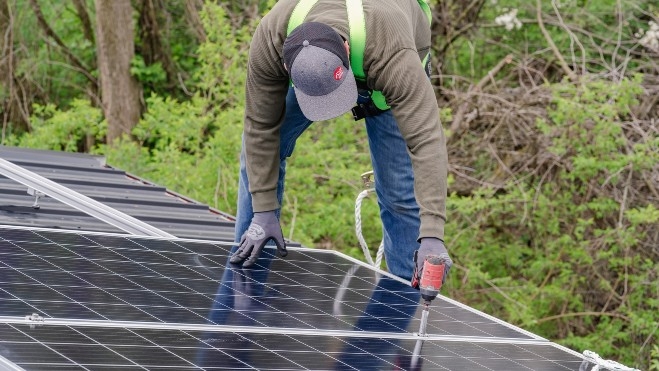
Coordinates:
319 68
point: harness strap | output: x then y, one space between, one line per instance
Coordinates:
426 9
357 26
299 14
357 45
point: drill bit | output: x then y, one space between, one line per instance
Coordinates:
424 318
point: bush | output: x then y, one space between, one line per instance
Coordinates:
567 248
76 129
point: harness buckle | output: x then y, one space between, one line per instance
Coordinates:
363 110
358 112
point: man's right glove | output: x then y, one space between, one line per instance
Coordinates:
430 246
264 227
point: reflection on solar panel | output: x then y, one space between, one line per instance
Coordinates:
113 302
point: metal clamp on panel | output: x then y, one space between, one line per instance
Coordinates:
34 320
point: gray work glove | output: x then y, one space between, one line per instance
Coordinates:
264 226
430 246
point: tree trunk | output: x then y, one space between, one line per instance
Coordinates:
154 50
120 92
87 28
192 15
49 32
7 65
16 99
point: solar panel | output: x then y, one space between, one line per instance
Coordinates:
104 301
49 347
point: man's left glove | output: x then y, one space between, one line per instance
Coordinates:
264 226
430 246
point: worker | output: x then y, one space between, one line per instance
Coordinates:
305 73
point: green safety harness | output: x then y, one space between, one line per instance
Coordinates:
357 24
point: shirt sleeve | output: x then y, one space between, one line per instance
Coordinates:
409 92
265 100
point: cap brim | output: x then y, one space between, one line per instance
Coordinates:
334 104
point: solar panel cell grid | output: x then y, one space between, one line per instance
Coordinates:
96 348
309 298
112 286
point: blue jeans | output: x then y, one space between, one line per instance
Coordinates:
394 184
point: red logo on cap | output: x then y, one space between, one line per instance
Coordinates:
338 73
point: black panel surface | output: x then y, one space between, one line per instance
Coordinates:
58 347
115 278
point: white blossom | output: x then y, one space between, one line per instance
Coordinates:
649 38
509 20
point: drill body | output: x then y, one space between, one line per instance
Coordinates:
432 278
429 284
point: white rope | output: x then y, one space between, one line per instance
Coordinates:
379 255
358 230
603 364
358 225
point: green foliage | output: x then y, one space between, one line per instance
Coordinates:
41 62
221 79
150 75
192 146
557 256
63 130
172 148
49 73
176 45
654 358
239 6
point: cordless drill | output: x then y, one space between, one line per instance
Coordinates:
432 277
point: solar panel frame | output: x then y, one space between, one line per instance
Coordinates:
7 365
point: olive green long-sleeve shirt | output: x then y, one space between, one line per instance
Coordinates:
397 38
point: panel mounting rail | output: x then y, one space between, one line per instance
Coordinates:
79 201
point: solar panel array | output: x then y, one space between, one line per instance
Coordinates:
76 300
